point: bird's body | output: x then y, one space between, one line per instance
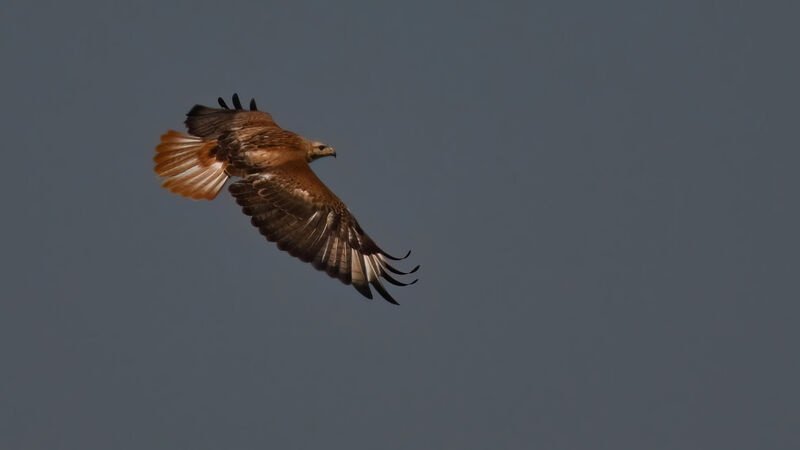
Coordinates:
279 191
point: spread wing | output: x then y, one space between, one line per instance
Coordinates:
210 123
293 208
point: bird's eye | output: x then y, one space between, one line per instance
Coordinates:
321 147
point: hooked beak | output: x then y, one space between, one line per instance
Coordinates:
320 150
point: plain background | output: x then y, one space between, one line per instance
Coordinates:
602 195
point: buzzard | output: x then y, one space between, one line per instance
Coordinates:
278 190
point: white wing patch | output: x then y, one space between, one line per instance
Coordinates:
302 193
357 274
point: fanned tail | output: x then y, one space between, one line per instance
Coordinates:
189 165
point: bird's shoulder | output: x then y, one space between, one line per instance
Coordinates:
295 177
261 136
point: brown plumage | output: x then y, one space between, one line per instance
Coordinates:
284 198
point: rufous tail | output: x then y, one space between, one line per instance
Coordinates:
189 165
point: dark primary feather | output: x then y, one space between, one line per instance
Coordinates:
236 103
310 223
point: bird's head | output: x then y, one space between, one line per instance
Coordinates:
318 150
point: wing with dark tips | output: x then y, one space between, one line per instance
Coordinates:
210 123
293 208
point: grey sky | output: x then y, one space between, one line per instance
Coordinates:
602 195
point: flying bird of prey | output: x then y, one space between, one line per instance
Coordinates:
278 190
